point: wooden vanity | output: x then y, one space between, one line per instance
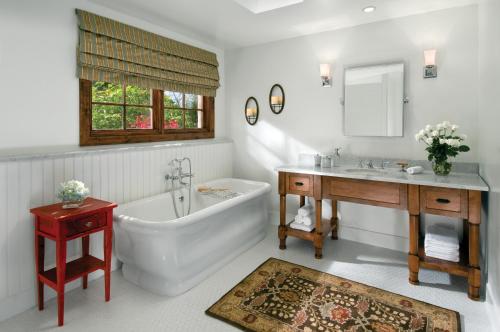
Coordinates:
457 196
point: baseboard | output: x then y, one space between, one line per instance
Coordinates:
377 239
25 300
493 305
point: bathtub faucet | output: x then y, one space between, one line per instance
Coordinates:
177 172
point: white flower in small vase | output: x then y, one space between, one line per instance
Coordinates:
442 143
72 193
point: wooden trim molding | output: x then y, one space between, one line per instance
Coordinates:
156 134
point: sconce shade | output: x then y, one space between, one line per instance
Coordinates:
430 57
324 70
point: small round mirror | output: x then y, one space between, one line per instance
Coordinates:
252 111
277 99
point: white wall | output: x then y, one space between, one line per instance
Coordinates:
312 119
38 83
489 138
39 112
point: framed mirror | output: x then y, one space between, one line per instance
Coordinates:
251 111
374 100
277 99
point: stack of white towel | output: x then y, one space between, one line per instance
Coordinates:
442 242
304 220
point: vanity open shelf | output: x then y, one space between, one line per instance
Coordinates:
460 268
305 235
457 196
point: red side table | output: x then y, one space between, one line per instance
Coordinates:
62 225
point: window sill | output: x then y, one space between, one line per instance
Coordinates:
71 150
107 138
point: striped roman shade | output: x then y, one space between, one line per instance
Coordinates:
114 52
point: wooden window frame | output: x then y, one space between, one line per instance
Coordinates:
88 136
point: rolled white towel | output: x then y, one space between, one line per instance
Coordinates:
307 220
305 210
302 227
414 170
298 219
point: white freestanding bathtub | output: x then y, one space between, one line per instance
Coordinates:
167 254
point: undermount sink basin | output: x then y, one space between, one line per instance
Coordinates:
364 171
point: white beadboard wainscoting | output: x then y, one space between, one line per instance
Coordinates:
120 174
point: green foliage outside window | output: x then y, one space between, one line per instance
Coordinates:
138 116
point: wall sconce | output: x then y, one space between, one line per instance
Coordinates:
430 69
326 79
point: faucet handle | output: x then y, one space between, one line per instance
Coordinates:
384 163
361 163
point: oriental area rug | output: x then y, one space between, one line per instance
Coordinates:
281 296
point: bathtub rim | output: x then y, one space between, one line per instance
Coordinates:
121 218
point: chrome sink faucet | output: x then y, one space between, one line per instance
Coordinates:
370 164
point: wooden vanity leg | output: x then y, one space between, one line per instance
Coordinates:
318 236
474 278
414 211
334 222
413 259
302 201
282 227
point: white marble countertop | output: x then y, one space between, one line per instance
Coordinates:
470 181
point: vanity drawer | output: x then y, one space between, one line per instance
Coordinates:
300 184
85 224
444 201
366 192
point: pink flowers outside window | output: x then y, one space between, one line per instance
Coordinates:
171 124
141 122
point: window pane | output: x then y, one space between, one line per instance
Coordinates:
173 119
106 117
193 101
107 92
194 119
138 96
173 99
139 118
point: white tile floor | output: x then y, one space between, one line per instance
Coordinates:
133 309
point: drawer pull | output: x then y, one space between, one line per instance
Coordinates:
299 184
89 224
443 200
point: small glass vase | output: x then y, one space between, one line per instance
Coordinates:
72 204
441 168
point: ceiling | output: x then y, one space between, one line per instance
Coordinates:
227 24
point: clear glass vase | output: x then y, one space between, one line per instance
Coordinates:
72 204
441 167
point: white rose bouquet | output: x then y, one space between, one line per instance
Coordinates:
442 142
72 193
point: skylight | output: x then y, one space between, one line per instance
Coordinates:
261 6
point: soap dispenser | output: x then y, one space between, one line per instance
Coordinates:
336 157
